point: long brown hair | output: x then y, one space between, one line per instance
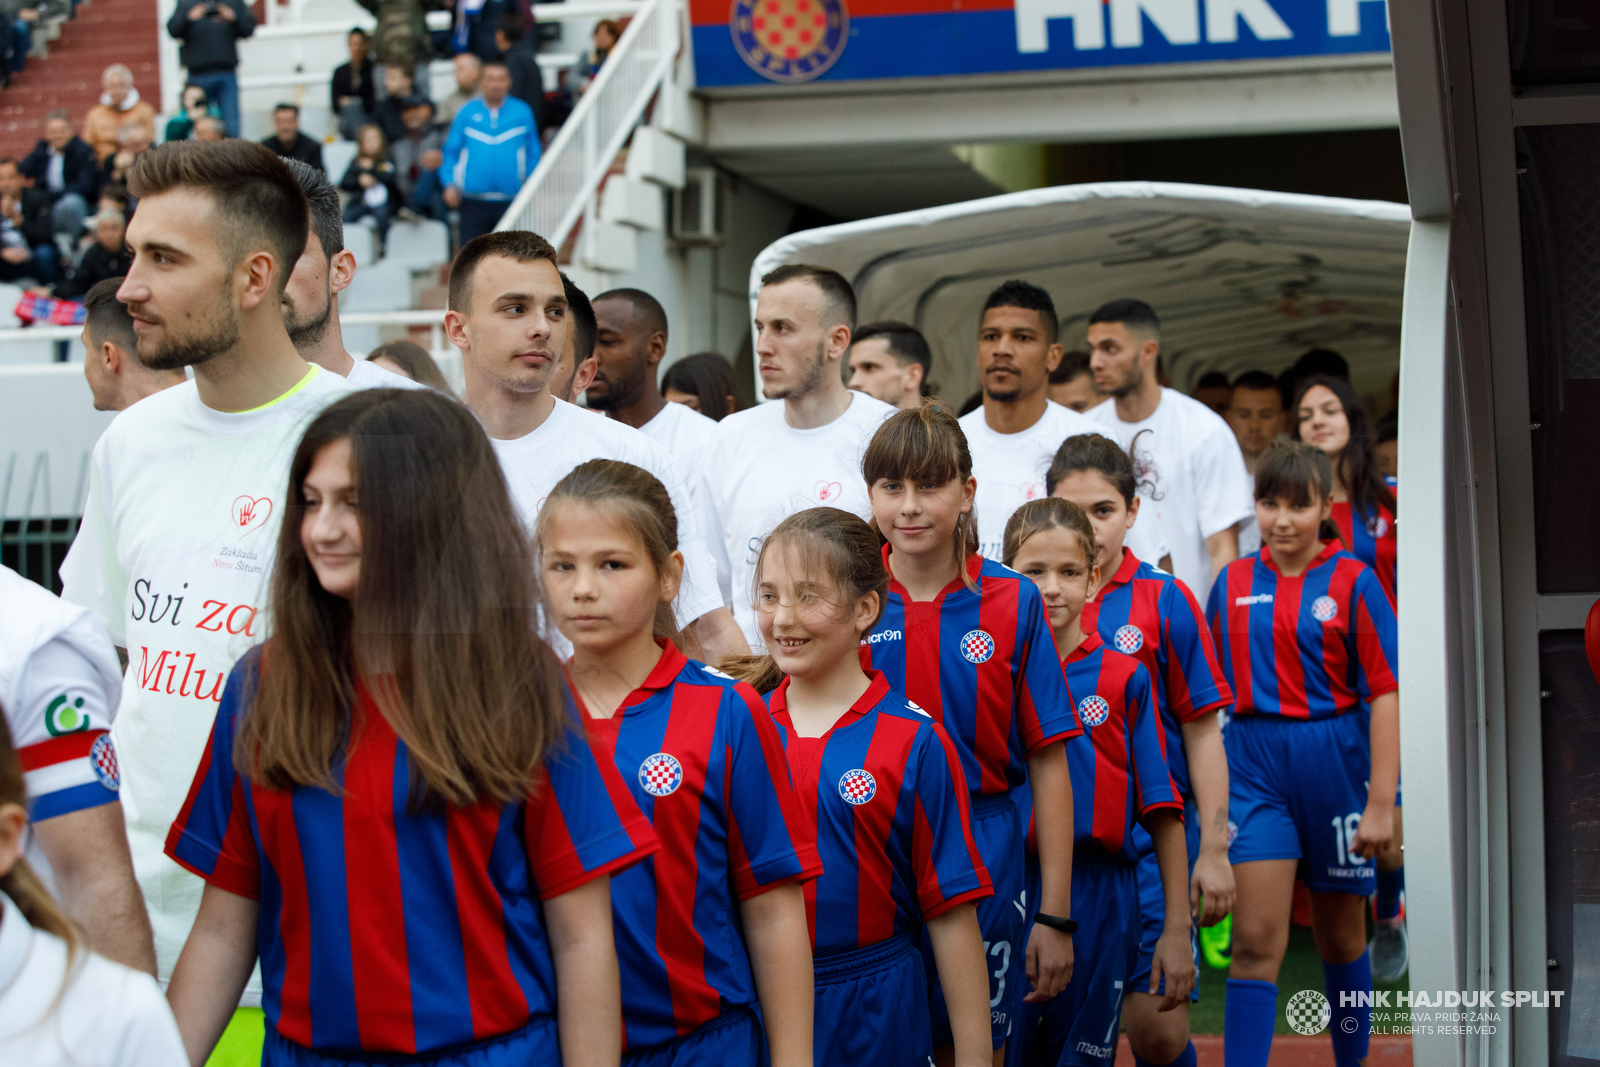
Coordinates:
926 444
830 541
641 502
20 883
1358 464
1049 513
442 625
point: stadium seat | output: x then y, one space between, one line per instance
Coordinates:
419 245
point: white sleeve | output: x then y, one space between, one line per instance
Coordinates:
1222 489
147 1035
92 574
698 594
716 536
1147 540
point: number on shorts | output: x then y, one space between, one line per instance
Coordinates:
1344 838
1116 1012
1003 950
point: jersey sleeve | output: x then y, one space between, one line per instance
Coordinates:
581 822
1373 636
1152 779
1045 710
1222 489
944 855
92 575
212 836
1195 684
59 728
769 841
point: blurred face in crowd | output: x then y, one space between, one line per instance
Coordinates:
58 132
469 68
10 180
1078 393
496 85
1215 397
792 344
1256 416
358 48
627 352
286 123
1120 358
209 128
874 370
1323 422
116 84
109 231
396 81
1015 357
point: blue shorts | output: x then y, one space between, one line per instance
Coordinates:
535 1045
872 1007
734 1038
1296 791
1079 1026
999 834
1153 901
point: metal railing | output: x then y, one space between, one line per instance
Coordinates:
34 542
564 187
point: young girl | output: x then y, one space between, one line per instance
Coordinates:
968 641
883 785
1119 780
372 180
714 925
398 812
1143 611
60 1004
1307 640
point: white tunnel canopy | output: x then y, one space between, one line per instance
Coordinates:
1241 278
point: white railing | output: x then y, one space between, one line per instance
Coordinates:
563 188
431 318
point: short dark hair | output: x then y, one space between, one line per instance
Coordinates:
108 318
1136 315
1388 429
644 305
708 376
287 107
1258 380
57 113
1073 365
838 298
12 160
502 64
1320 361
357 31
904 341
512 26
1212 379
327 221
1020 294
256 195
583 321
520 245
112 190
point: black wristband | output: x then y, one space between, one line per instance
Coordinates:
1056 922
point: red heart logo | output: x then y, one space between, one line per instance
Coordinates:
1032 490
827 491
250 513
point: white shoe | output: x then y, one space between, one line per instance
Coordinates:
1390 951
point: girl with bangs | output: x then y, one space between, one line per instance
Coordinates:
1145 612
1119 781
398 812
712 928
969 642
1307 639
881 784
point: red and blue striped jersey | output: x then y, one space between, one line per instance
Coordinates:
1308 647
704 763
1119 772
391 930
1371 538
983 664
884 790
1143 611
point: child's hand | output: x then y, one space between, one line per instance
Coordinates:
1174 961
1049 963
1375 835
1211 888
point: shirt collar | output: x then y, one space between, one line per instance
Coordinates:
663 674
877 688
1124 575
1083 651
16 939
974 571
1329 550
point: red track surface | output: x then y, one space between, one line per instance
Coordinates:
1293 1052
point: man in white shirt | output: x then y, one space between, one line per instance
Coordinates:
1188 461
509 315
629 344
890 361
767 462
324 270
1015 434
186 487
117 380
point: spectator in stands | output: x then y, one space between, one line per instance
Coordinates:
111 362
16 35
401 38
27 242
1214 392
370 179
119 105
1255 414
354 91
469 68
607 33
485 174
519 51
475 26
889 361
210 128
66 168
108 257
134 141
196 105
114 197
703 382
210 31
398 87
412 360
288 141
417 158
1072 383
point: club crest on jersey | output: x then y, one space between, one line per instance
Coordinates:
1093 710
857 786
1377 526
103 758
1324 608
977 646
1128 639
660 775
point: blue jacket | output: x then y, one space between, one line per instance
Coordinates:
489 154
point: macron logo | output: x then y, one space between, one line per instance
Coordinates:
884 635
1246 601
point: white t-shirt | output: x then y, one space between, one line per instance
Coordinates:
758 470
534 463
107 1016
177 543
1194 475
1010 468
685 433
369 375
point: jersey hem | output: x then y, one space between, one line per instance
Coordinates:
250 889
620 863
810 871
979 893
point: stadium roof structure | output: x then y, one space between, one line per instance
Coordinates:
1241 278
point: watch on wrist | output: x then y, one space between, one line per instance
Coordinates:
1056 922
